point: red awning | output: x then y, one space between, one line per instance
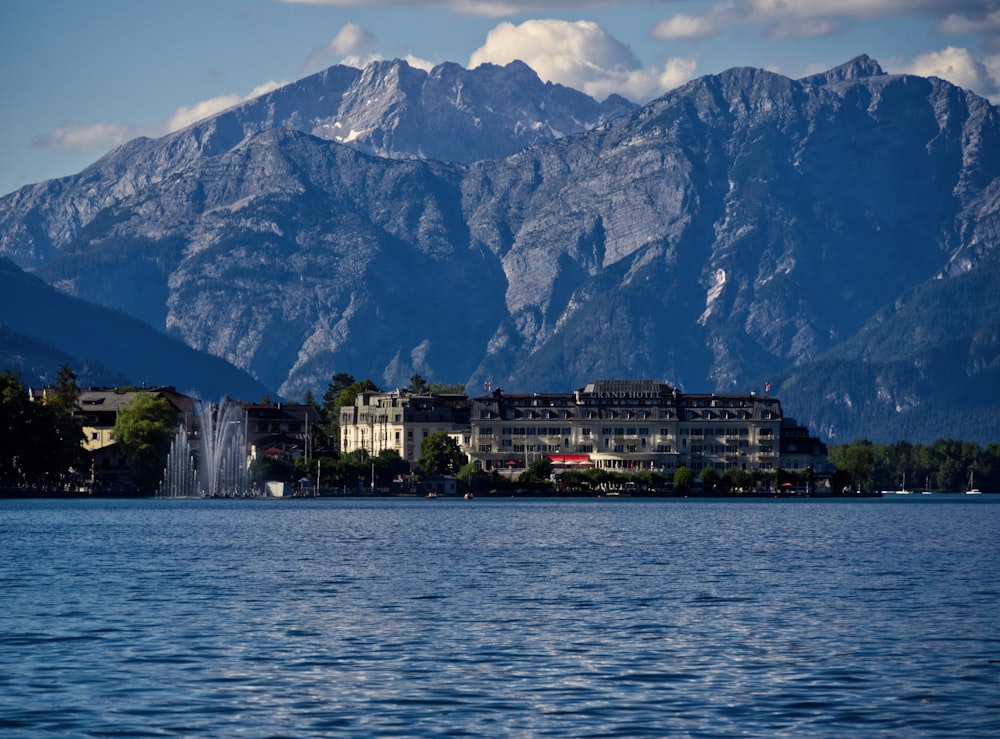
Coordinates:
569 458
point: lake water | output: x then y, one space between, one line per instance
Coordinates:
502 618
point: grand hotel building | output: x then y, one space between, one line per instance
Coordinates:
624 425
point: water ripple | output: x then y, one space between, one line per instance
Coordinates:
502 618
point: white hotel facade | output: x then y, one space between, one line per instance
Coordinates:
622 425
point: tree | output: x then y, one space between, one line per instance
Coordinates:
540 470
39 442
338 383
388 466
709 479
342 391
67 450
683 479
440 455
473 478
738 480
418 386
444 388
270 467
143 430
856 460
66 392
310 399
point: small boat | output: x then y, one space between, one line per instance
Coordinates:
972 489
902 490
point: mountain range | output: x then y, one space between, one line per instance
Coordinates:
834 236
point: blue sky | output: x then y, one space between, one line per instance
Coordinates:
85 75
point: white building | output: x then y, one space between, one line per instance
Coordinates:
398 420
636 425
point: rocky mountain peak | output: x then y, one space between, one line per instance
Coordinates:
858 68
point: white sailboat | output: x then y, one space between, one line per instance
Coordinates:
972 489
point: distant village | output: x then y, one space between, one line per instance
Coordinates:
623 428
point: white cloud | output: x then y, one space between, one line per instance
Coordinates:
955 64
353 47
687 27
185 116
351 42
97 136
416 61
104 136
580 55
992 64
810 18
486 8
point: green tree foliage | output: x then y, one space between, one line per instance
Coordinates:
67 453
39 442
66 392
271 468
710 479
943 466
338 384
418 386
348 396
389 466
474 479
342 391
857 460
447 389
143 431
310 399
734 480
683 479
538 472
440 455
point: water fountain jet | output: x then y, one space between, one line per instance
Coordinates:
222 468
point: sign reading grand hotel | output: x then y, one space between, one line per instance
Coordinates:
626 394
627 390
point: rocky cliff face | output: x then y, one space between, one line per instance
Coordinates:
742 227
388 109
